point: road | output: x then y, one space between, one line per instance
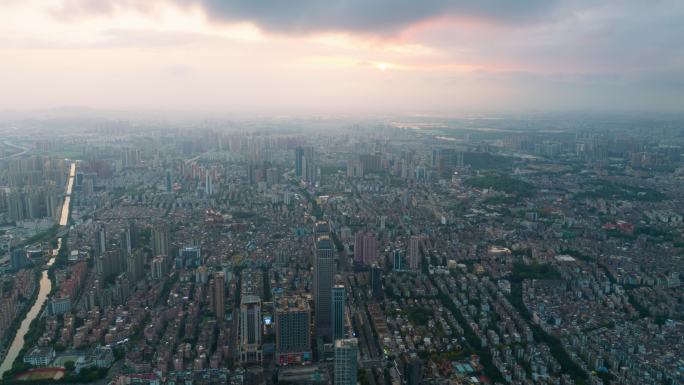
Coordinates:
23 151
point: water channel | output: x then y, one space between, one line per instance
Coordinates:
44 288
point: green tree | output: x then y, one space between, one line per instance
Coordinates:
69 366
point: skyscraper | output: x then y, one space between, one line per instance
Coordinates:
299 158
135 265
158 267
15 206
133 235
338 299
125 242
169 181
376 282
111 263
208 184
130 157
249 329
53 202
190 256
413 369
370 249
160 240
219 296
272 176
100 239
414 252
305 165
358 246
365 247
371 162
398 260
321 228
434 161
19 259
293 330
346 361
251 173
324 273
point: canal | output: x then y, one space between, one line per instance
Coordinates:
44 287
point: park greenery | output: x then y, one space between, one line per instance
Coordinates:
419 316
522 271
602 189
486 161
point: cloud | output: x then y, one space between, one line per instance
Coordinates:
363 15
579 38
439 55
356 16
70 9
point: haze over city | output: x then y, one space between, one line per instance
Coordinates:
341 192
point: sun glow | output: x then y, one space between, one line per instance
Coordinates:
382 66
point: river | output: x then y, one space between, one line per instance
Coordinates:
67 198
44 288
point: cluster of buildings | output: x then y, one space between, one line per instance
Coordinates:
389 256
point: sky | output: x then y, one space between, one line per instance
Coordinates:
343 56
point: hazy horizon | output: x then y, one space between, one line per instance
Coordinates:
341 57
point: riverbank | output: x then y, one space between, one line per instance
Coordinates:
12 331
43 236
17 347
35 330
37 325
33 317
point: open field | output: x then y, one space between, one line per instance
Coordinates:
41 374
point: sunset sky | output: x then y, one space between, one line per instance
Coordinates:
335 56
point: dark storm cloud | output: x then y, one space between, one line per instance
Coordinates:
364 15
